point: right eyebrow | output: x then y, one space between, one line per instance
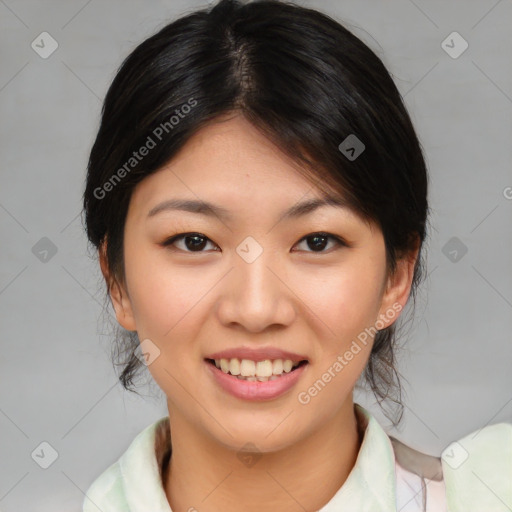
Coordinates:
209 209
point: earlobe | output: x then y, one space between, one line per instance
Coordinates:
119 297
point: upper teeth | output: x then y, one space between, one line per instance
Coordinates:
248 368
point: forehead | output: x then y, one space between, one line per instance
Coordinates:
228 162
232 147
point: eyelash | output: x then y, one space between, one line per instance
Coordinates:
339 241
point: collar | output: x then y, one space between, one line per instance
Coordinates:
141 472
370 486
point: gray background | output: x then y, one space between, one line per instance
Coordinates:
57 382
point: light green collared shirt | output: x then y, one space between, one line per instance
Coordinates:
473 474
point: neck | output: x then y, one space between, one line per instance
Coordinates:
208 477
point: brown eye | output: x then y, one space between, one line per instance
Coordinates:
318 241
196 242
192 242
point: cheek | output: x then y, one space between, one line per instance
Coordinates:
163 297
346 302
167 305
348 305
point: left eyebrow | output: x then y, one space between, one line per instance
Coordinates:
192 206
211 210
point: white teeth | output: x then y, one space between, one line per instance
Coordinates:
224 365
252 370
264 368
234 367
277 367
260 379
247 368
287 365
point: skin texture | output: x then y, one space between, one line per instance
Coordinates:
293 296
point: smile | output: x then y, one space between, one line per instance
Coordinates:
252 371
256 380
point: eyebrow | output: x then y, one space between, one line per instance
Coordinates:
212 210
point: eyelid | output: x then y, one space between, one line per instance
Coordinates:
173 238
339 241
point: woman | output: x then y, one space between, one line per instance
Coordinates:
258 199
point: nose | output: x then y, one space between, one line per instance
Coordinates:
255 296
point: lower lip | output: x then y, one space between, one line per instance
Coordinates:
255 390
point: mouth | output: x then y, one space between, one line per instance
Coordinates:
247 379
257 371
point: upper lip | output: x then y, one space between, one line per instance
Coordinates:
257 354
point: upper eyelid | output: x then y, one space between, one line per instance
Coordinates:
340 241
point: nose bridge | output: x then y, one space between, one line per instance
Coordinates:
256 285
257 297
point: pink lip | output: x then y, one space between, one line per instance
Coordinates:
257 354
256 391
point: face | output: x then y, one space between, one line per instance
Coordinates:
250 280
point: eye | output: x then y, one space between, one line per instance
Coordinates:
196 242
318 241
193 242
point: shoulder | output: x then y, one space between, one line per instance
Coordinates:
473 473
477 470
107 492
135 478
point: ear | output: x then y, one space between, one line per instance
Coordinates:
118 294
398 287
